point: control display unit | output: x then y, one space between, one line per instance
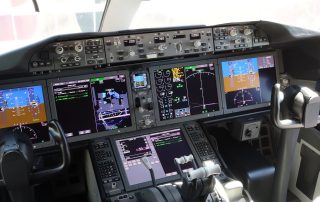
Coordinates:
160 147
22 108
93 104
247 81
185 90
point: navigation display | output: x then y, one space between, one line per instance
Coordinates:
92 105
186 90
161 148
23 109
248 81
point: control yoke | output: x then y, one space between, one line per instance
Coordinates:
294 108
302 103
16 160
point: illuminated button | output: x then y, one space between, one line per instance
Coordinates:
218 47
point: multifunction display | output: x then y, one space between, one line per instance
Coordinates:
92 105
248 81
161 148
185 90
23 109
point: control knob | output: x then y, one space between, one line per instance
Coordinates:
247 31
59 50
233 32
78 47
77 58
132 53
237 41
179 47
197 43
147 121
162 47
63 59
248 133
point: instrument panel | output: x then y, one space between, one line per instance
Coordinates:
179 78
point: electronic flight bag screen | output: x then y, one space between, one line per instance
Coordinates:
248 81
23 109
161 148
92 105
186 90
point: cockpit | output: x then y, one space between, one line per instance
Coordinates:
218 112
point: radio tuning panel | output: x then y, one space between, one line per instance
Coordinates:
158 45
238 37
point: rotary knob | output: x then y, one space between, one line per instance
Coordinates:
162 47
247 31
132 53
78 47
179 47
59 50
197 43
147 122
233 32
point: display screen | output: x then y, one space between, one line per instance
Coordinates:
248 81
23 109
140 80
92 105
161 148
186 90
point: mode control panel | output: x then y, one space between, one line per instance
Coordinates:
106 167
158 45
238 37
142 98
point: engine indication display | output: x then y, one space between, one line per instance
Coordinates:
92 105
248 81
186 90
23 109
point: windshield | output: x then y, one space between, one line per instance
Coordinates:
22 25
155 13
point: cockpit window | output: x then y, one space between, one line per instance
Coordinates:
159 13
21 24
25 21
